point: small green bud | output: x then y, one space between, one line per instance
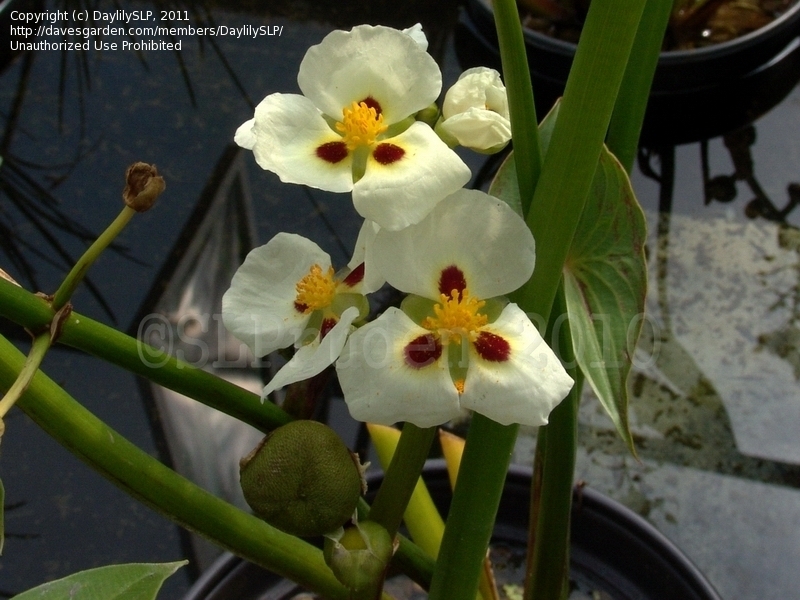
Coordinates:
447 137
429 114
359 554
302 479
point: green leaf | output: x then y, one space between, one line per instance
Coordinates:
504 185
605 277
138 581
605 280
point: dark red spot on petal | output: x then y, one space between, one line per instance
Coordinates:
372 103
300 307
451 278
325 328
492 347
355 276
423 350
332 152
387 153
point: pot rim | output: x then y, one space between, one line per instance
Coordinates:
782 24
614 519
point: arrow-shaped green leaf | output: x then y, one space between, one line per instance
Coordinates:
138 581
605 278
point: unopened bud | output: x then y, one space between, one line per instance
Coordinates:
428 115
358 555
143 185
302 479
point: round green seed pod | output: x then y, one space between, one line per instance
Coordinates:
302 479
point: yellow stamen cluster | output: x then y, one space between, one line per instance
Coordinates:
316 289
361 125
457 316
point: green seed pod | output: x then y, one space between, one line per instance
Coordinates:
302 479
359 555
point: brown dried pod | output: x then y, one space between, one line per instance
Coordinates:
143 185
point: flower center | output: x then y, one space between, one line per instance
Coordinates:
361 125
457 316
315 290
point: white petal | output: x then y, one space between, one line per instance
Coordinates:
416 33
313 358
478 234
378 385
288 129
403 192
378 62
479 129
373 279
523 389
244 136
259 307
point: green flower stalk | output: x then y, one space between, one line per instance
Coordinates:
143 186
157 486
40 346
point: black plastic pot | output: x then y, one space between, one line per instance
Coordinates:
696 94
613 550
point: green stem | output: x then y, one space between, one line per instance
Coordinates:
517 76
78 331
577 139
547 574
470 521
76 275
409 558
39 348
83 333
401 477
159 487
629 110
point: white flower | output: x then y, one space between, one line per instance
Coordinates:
353 129
286 293
455 345
475 111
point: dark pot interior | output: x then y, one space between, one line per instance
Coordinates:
614 550
696 94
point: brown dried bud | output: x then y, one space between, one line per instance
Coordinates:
142 186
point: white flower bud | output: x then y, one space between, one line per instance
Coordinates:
475 111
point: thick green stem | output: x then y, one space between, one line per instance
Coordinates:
78 331
577 139
401 477
517 76
470 521
547 575
35 314
76 275
159 487
626 121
